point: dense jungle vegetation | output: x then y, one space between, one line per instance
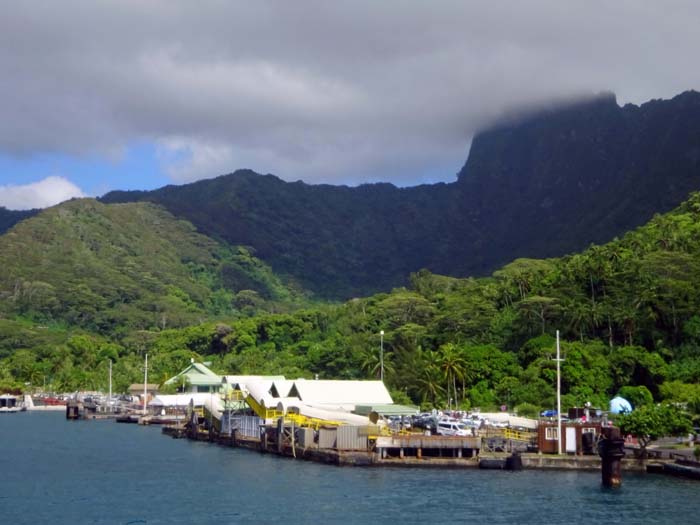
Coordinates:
77 290
539 186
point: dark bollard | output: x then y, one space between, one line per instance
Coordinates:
72 410
514 462
611 451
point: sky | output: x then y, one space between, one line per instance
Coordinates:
127 94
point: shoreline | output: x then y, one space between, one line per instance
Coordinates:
362 458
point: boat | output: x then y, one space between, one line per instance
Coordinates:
10 404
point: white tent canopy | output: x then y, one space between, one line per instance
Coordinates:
343 395
280 388
260 391
237 381
181 400
509 419
330 415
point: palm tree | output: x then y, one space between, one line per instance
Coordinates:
429 384
371 363
452 365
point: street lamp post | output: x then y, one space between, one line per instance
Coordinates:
381 355
558 360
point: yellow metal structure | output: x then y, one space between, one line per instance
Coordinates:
519 435
297 419
234 395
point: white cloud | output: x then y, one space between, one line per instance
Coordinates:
187 161
42 194
317 90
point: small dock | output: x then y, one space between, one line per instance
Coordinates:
420 446
346 445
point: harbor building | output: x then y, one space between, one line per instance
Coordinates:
197 377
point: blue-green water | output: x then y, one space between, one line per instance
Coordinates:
58 471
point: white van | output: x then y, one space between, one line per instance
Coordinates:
453 428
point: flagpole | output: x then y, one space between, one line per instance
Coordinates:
145 384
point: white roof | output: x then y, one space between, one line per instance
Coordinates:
260 390
242 380
341 393
281 387
331 415
513 421
285 403
215 405
180 400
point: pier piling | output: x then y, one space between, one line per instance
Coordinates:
611 451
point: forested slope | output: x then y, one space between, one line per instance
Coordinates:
627 312
116 268
542 185
8 218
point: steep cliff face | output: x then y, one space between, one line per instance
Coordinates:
561 179
543 185
338 241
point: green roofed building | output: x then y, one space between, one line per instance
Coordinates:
386 410
196 378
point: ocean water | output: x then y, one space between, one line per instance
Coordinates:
58 471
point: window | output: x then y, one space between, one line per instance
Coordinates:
551 433
588 430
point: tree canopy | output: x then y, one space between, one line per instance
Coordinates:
627 311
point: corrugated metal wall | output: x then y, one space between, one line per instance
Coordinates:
327 437
349 438
248 426
305 437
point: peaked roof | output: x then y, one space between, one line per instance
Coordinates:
338 392
240 380
138 387
280 388
197 374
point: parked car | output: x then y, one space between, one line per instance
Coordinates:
453 428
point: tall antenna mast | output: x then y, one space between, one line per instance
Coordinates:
109 402
558 360
145 384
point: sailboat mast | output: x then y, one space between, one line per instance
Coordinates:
109 400
145 384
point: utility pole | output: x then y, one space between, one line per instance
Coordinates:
558 360
381 355
109 402
145 384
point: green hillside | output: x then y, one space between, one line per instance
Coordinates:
543 185
112 269
628 312
8 218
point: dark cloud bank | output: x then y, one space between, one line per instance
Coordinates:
322 91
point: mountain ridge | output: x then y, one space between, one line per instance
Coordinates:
129 266
543 185
8 218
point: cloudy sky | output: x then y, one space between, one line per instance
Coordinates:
135 95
